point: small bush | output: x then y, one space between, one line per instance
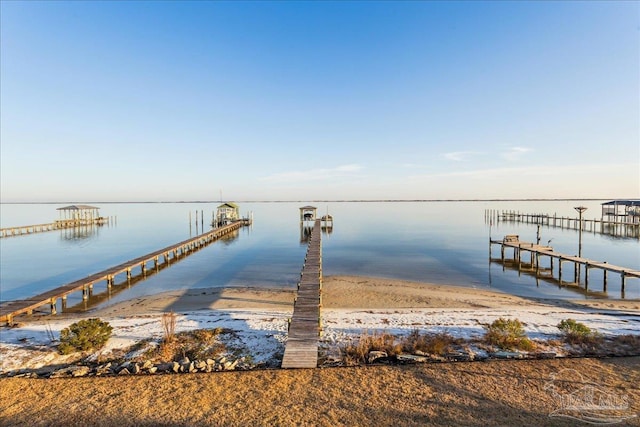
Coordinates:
508 334
84 335
578 333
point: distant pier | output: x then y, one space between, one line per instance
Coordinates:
70 217
620 218
536 252
136 267
301 350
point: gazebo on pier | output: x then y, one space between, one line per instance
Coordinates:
308 213
79 213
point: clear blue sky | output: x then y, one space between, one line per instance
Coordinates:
126 101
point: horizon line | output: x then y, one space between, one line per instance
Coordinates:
534 199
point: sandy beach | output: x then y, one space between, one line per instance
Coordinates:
347 292
352 306
422 394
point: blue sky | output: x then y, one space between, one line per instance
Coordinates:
130 101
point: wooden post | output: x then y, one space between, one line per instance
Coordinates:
604 281
64 303
53 306
560 270
586 276
623 279
85 293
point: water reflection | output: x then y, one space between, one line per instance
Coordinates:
80 233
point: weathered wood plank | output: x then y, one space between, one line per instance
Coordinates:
301 350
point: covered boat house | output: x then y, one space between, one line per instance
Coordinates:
227 213
621 211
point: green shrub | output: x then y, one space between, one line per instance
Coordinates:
508 334
578 333
84 335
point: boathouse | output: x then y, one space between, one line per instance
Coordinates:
79 213
227 213
308 213
621 211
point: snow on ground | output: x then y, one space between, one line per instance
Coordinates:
538 322
263 332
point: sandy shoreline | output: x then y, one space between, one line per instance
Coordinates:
351 306
346 292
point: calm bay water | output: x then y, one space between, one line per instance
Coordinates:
438 242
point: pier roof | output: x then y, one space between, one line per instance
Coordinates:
623 202
228 204
77 208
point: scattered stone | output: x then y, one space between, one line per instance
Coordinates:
60 373
375 355
230 366
507 355
201 365
222 360
124 371
165 367
135 368
147 365
411 358
211 362
152 370
458 356
547 355
184 361
79 371
175 367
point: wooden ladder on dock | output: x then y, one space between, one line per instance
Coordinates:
301 350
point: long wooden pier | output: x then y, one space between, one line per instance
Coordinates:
52 226
11 309
601 226
301 350
537 251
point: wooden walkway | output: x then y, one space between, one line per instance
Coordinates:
602 226
10 309
57 225
301 350
536 251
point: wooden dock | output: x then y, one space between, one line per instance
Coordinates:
537 251
52 226
10 309
301 350
600 226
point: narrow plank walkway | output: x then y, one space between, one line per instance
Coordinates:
301 350
540 250
57 225
10 309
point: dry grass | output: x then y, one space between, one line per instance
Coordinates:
471 394
355 353
198 344
437 344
